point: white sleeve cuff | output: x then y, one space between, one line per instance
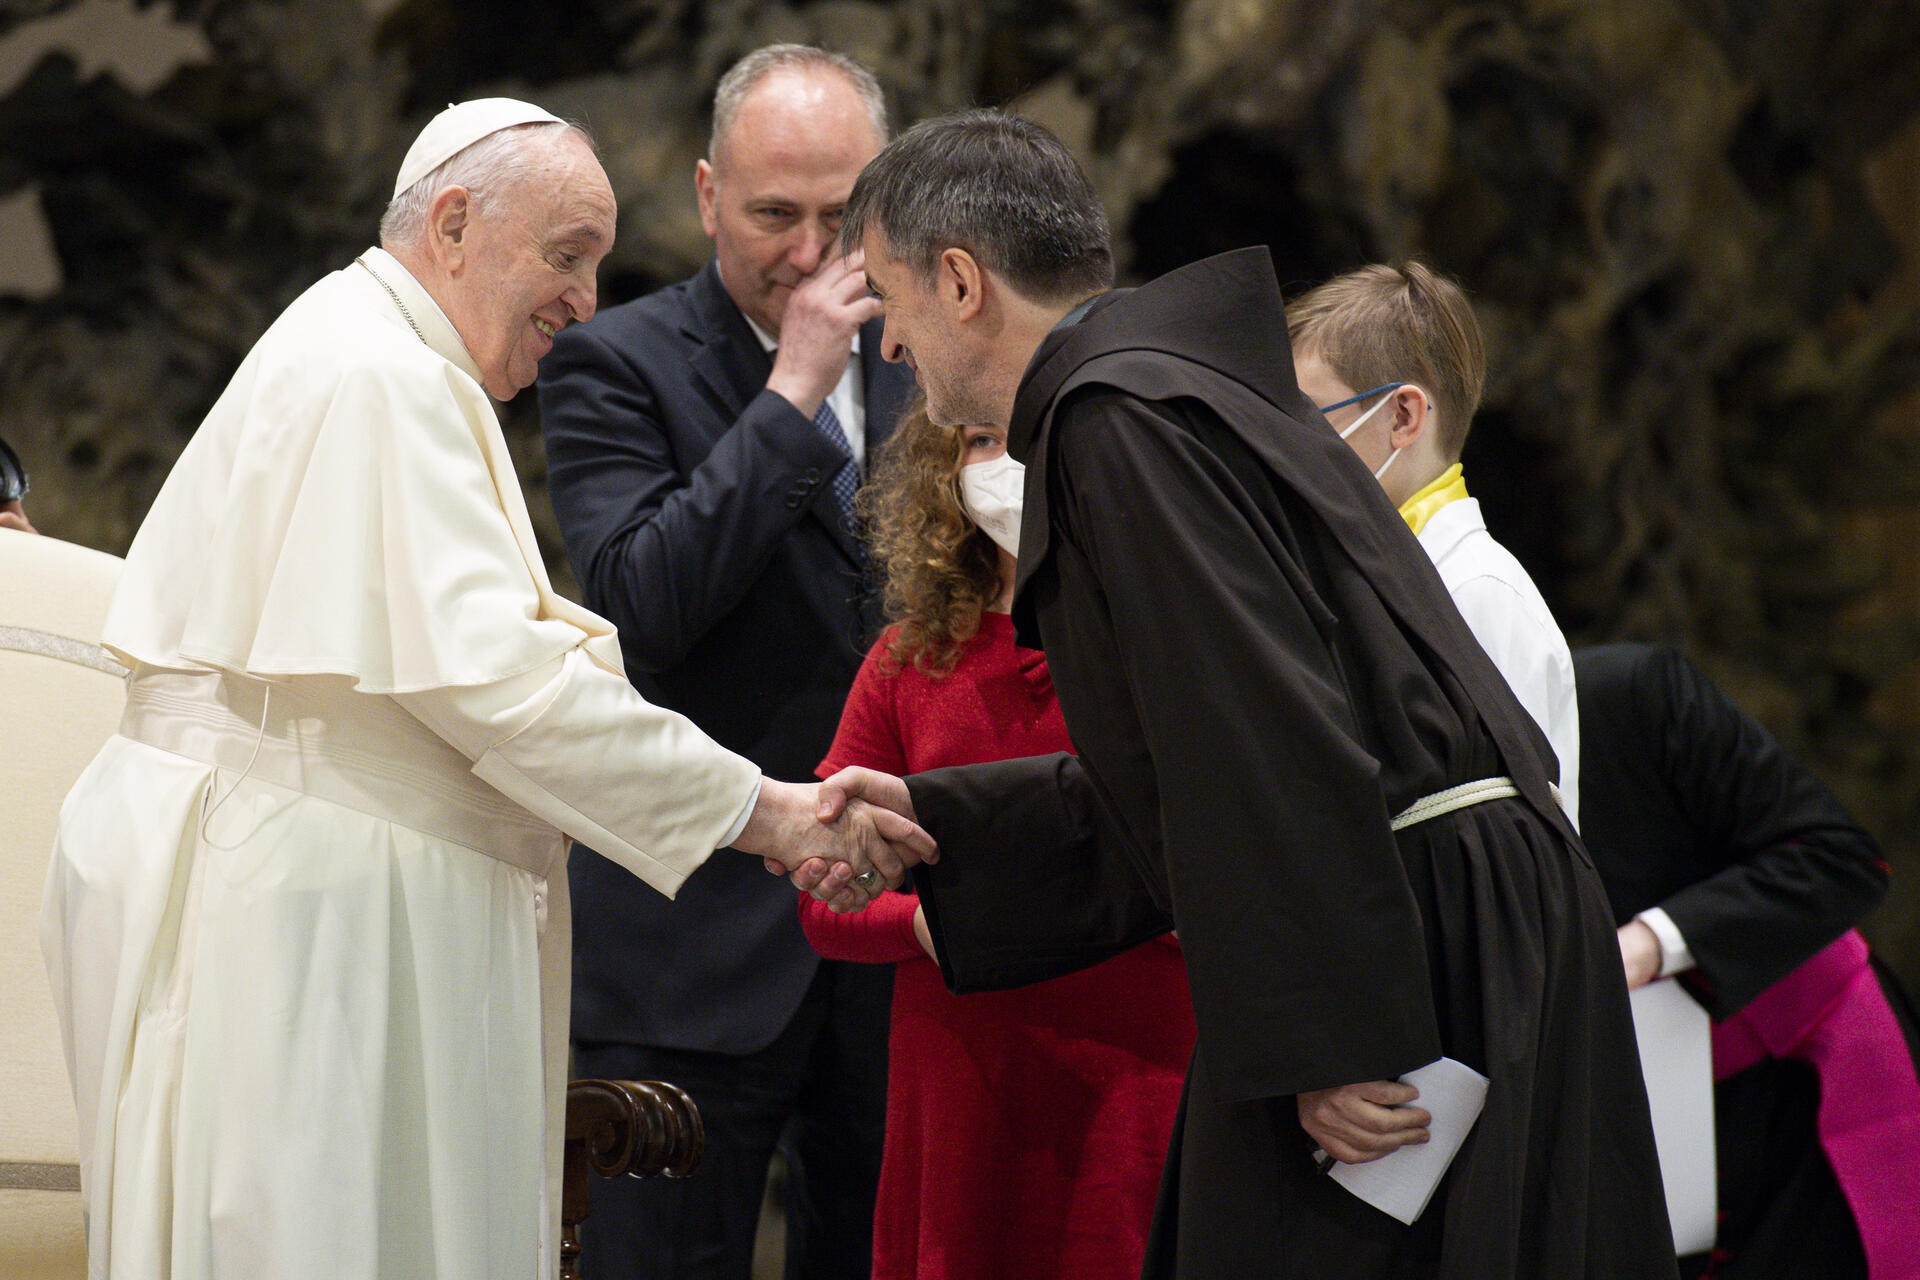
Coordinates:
1674 954
740 823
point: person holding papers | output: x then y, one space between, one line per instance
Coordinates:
1291 749
1734 869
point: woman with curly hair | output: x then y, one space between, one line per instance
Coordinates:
1026 1129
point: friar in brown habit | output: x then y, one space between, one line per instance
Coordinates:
1263 675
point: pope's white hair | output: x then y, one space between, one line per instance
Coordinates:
488 170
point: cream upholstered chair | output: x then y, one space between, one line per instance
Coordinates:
60 698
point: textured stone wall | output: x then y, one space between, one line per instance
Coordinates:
1692 227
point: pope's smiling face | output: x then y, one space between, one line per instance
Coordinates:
527 260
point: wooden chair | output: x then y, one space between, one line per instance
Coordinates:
616 1128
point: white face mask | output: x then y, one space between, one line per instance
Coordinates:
1355 426
992 492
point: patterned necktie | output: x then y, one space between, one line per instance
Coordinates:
847 477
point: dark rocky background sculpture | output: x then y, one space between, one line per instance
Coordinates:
1692 228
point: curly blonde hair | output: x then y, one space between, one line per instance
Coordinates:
941 570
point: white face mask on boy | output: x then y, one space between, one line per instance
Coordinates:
992 492
1354 426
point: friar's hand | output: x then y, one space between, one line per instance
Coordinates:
922 934
847 860
871 785
1356 1123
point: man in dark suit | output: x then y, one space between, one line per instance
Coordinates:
703 446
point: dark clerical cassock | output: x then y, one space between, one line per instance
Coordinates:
1693 807
1261 668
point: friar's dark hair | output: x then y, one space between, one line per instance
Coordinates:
1003 188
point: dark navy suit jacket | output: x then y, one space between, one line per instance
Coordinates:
697 513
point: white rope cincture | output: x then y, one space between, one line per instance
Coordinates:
1464 796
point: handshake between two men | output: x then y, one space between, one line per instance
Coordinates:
845 840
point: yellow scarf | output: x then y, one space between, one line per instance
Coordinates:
1448 486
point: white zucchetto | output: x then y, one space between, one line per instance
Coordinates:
459 127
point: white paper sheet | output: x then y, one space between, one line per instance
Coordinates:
1402 1182
1676 1057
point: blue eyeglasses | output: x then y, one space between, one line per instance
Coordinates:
1341 404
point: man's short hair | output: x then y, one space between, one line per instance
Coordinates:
488 170
1002 188
742 77
1398 323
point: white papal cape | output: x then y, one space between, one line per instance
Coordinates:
1510 619
307 918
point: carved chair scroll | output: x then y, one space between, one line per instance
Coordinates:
622 1127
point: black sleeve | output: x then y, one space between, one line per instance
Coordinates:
666 546
1797 870
1032 880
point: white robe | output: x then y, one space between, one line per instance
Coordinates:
1512 623
307 919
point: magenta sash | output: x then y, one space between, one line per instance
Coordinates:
1832 1014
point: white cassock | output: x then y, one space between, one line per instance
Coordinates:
1512 623
307 918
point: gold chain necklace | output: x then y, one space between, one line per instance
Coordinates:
406 314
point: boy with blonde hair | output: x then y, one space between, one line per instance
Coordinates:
1392 355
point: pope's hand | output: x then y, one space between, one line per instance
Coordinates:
845 791
846 859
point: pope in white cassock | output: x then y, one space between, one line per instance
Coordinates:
306 919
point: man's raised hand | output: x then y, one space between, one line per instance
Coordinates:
816 331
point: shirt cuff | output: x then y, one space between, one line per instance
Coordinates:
1674 954
740 823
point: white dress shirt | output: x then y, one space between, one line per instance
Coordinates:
1511 621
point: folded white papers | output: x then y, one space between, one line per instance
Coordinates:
1401 1182
1676 1057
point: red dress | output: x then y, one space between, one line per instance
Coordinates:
1026 1129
